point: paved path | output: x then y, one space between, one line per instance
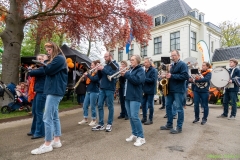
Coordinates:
219 137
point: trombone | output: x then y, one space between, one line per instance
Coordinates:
117 74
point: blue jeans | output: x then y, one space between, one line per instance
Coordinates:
230 96
147 102
90 98
37 128
122 101
132 108
102 96
80 98
201 98
174 109
51 118
178 98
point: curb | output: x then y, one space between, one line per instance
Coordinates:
28 116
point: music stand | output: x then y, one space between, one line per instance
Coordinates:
165 60
195 73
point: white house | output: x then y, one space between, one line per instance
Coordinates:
176 26
221 56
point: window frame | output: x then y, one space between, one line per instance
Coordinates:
193 39
159 45
120 54
144 50
175 38
131 51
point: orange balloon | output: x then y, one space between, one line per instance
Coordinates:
70 65
69 60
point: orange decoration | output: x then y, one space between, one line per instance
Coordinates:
69 60
70 65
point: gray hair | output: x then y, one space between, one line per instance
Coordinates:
137 57
149 60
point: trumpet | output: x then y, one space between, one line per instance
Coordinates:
78 82
117 74
93 69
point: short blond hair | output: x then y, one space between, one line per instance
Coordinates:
124 62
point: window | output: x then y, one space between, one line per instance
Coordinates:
175 41
112 52
157 64
159 20
131 51
212 46
194 13
120 54
158 45
193 41
201 17
144 50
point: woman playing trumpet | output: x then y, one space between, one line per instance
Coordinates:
91 96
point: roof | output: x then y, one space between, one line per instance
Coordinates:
213 26
224 54
170 9
76 55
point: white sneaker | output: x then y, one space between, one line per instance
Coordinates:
55 144
131 138
109 128
140 141
93 123
42 149
83 122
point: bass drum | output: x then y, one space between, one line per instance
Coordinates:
220 77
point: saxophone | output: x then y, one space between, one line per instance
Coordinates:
164 82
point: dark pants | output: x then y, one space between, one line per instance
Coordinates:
163 101
38 105
80 98
201 98
122 101
147 102
230 96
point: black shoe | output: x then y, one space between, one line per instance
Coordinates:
140 107
196 120
126 118
29 134
148 122
144 120
165 116
204 121
175 117
176 130
120 117
162 108
33 137
166 127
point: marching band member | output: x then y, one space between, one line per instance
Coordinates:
201 92
91 97
38 104
122 80
149 90
55 87
107 89
231 91
133 96
177 77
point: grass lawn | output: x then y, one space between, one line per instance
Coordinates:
63 105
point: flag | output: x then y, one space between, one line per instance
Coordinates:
203 49
128 45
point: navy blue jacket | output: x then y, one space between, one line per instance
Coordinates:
236 73
179 74
149 86
40 76
94 84
135 81
104 82
56 77
206 79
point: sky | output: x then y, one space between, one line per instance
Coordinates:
216 11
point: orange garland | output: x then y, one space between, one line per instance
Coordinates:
204 73
88 81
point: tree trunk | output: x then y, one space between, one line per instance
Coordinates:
12 38
61 39
38 45
89 47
